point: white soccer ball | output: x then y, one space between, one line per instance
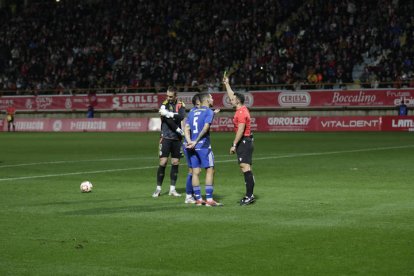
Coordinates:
86 187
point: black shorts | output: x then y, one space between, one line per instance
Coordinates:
10 119
244 150
169 146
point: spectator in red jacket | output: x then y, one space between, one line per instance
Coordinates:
10 111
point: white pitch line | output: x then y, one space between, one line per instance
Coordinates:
331 152
221 161
75 173
79 161
70 161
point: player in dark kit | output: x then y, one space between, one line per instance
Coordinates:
172 113
243 141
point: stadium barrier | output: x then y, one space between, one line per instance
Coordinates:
268 100
259 123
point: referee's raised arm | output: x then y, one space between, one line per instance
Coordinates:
226 83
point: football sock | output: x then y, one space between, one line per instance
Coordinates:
209 192
174 174
189 185
197 192
249 179
160 175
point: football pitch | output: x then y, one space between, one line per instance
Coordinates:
327 204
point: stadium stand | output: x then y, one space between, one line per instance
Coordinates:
131 45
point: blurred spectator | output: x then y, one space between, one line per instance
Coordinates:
125 45
10 112
402 109
91 112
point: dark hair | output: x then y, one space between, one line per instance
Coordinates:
172 89
195 98
240 97
203 96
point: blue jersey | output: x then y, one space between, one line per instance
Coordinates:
196 119
186 121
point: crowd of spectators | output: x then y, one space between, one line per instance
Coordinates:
127 45
338 42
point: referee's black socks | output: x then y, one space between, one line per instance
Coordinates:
249 180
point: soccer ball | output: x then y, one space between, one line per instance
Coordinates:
86 187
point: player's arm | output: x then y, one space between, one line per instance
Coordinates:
180 115
168 118
170 123
184 121
203 132
238 137
187 133
191 144
226 83
208 121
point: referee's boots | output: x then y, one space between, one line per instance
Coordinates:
247 200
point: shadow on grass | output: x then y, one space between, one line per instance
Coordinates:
216 196
129 209
155 206
76 202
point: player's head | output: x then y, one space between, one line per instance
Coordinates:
238 99
196 100
206 99
171 94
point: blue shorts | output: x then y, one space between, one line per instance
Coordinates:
201 158
186 153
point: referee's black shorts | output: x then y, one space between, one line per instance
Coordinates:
244 150
170 146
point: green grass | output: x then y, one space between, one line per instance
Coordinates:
328 204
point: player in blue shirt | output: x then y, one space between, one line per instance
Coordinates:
189 199
197 134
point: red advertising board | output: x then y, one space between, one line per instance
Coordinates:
254 100
360 123
260 123
299 123
323 98
398 123
81 125
285 123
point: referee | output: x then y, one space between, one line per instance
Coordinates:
243 141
